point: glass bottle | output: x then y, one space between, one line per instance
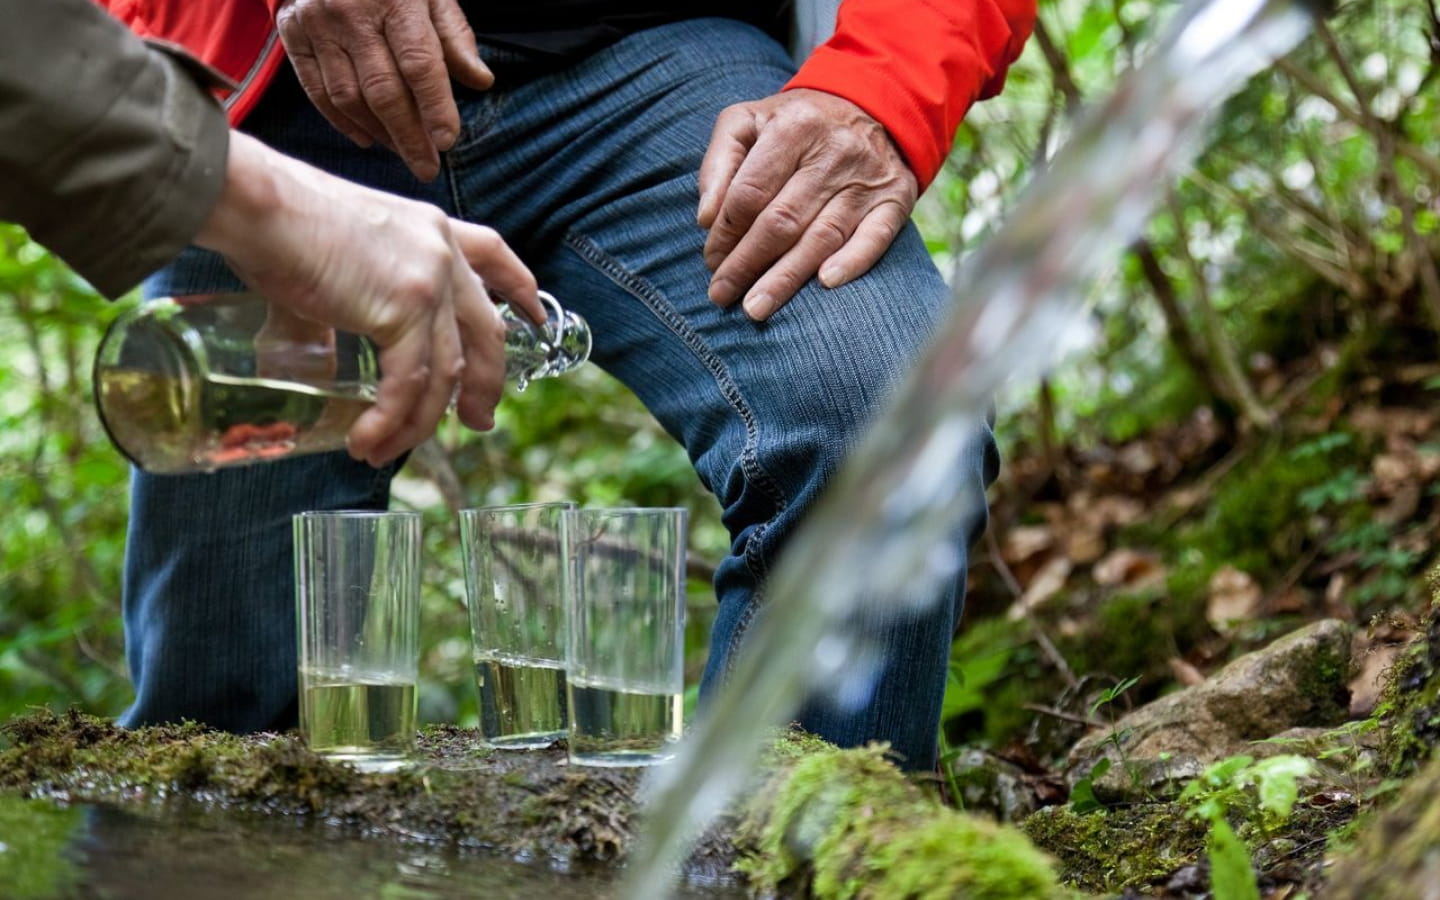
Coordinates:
197 383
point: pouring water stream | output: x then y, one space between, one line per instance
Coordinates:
886 520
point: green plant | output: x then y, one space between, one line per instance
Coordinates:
1082 795
1261 795
1346 486
1391 568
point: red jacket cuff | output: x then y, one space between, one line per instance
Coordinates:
917 66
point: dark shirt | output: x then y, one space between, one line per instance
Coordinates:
573 28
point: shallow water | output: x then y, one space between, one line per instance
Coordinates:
80 852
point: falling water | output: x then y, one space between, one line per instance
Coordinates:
889 516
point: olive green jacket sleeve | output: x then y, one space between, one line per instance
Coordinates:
111 153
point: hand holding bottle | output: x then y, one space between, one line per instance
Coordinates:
395 270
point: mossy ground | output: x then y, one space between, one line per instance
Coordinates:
825 822
528 804
846 825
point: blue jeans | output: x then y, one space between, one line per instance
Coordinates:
590 173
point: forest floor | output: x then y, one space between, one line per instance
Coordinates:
1119 582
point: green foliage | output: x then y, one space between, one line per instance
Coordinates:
1261 794
1082 795
994 672
1230 875
64 491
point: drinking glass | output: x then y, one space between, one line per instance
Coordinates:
514 557
625 647
357 588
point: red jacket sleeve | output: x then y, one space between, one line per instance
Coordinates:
918 66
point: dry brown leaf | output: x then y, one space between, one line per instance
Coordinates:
1234 598
1404 503
1391 468
1025 541
1335 604
1084 546
1118 510
1128 568
1290 600
1047 583
1392 420
1365 687
1185 673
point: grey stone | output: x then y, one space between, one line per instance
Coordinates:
1297 681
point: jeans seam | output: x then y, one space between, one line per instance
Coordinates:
646 293
470 133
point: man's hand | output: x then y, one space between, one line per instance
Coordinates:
380 70
400 272
798 183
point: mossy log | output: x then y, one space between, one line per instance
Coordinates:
825 822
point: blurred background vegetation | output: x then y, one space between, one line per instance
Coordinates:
1243 417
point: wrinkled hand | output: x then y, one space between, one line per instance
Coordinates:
795 184
380 70
394 270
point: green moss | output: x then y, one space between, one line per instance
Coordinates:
1256 506
1410 703
1395 853
1326 683
794 744
1257 518
527 803
847 820
847 825
1115 849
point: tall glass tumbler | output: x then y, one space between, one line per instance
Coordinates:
625 650
357 587
514 558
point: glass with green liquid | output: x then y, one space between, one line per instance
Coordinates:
514 557
625 634
357 588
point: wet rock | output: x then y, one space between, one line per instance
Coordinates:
1146 780
1297 681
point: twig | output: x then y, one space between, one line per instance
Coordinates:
1062 714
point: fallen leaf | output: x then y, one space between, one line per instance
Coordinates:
1234 598
1047 583
1365 687
1185 673
1024 541
1084 546
1127 567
